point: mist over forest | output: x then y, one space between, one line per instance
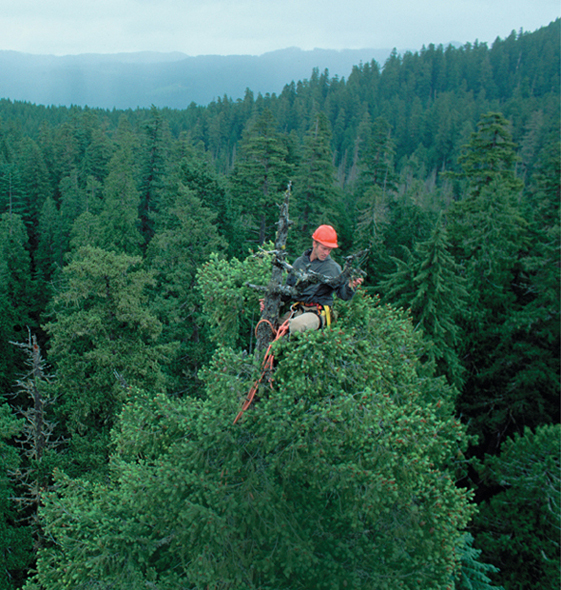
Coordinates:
174 80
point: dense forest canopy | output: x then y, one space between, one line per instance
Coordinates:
413 444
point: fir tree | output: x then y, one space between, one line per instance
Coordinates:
431 286
261 172
119 221
184 240
337 478
518 526
16 541
316 196
102 339
16 293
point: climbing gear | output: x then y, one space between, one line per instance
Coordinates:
326 236
268 359
323 311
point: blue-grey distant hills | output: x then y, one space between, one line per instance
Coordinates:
174 80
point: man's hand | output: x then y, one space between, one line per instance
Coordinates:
261 304
354 283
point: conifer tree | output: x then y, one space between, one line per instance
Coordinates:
35 187
97 156
184 240
490 155
19 309
431 286
37 442
74 200
374 192
155 162
103 338
16 542
10 188
49 255
316 196
338 478
260 173
198 174
474 575
517 528
119 221
490 238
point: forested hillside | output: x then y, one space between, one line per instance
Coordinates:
413 444
175 80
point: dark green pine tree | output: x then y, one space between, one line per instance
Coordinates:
74 200
517 527
35 187
198 174
315 196
259 178
490 239
155 153
103 338
431 286
10 187
440 298
97 156
490 155
118 220
184 239
16 541
374 193
377 158
49 254
16 294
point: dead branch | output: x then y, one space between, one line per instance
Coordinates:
272 300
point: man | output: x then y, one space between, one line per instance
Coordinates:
313 309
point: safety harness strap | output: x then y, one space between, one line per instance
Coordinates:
323 311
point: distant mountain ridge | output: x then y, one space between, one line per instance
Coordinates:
174 80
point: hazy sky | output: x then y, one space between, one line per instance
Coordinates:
224 27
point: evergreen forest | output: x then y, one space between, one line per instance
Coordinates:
412 444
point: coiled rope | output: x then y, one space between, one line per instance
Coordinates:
267 364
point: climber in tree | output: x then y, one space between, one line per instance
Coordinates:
312 311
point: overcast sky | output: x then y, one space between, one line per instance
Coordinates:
225 27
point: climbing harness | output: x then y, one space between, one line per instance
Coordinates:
323 311
268 359
325 316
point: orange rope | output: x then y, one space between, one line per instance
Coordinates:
267 364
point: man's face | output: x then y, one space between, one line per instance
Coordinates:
319 251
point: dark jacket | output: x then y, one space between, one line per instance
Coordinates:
319 293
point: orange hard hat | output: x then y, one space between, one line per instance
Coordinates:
326 236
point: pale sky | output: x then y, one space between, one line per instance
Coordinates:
225 27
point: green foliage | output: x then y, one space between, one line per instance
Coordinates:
315 195
15 541
35 185
338 476
197 173
118 220
16 292
510 383
75 177
230 306
103 336
431 286
490 154
518 528
184 240
474 575
156 163
260 176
